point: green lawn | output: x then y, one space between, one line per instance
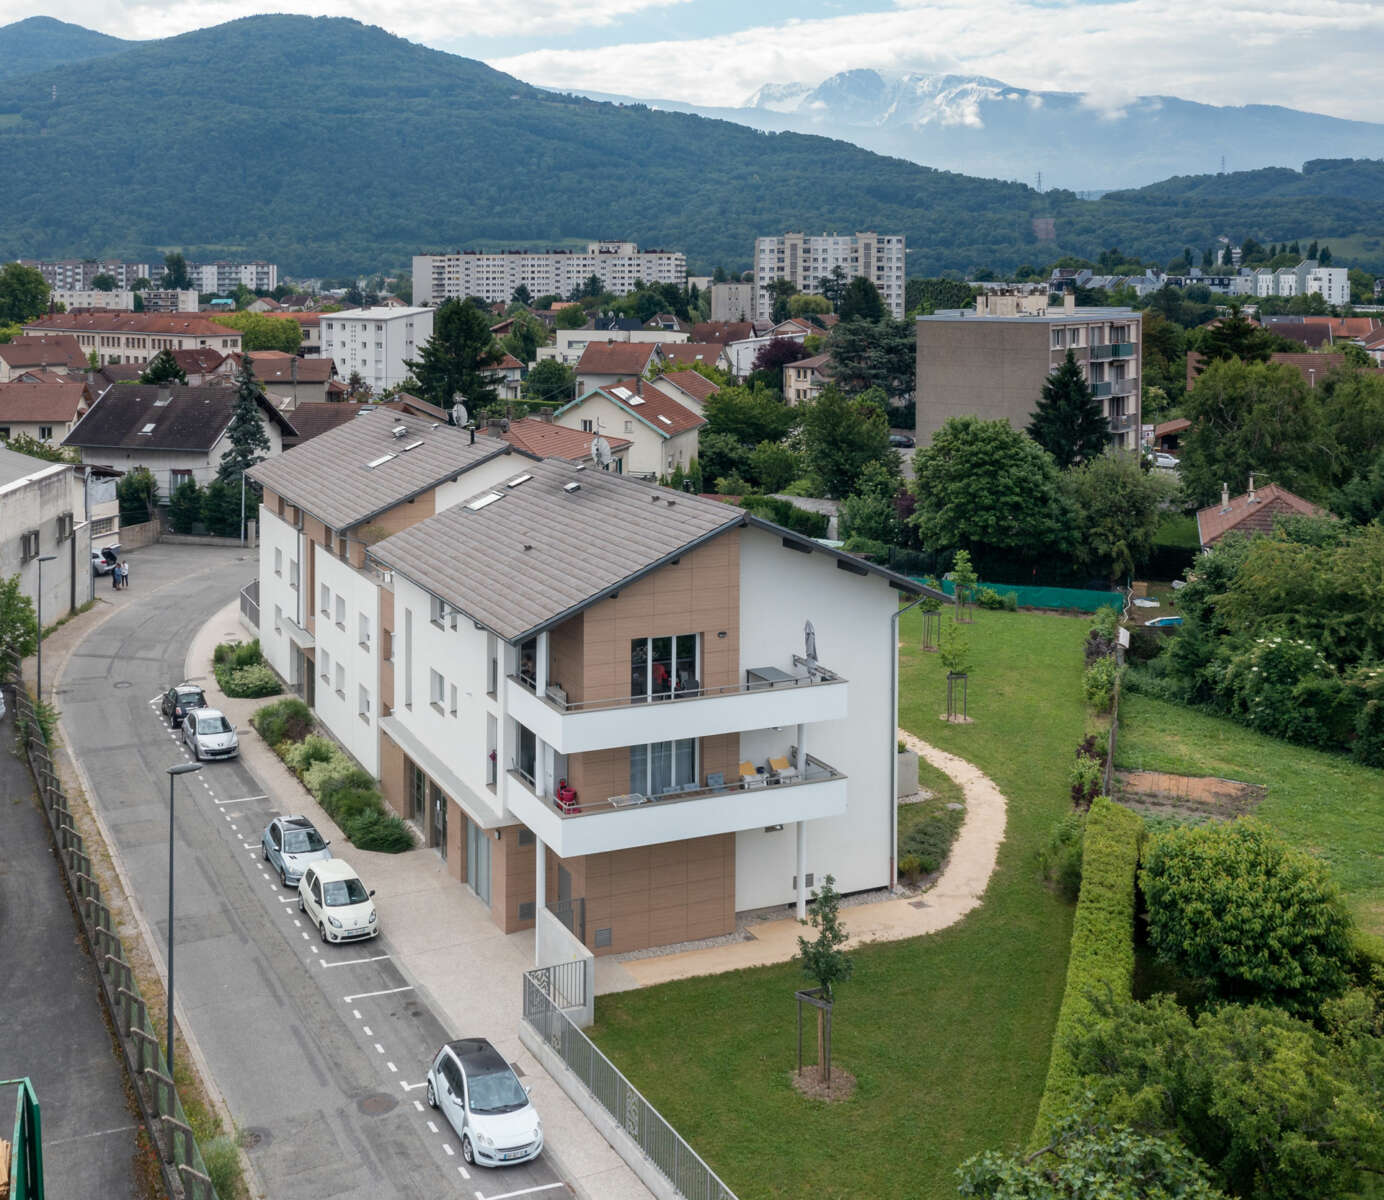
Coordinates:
1322 802
948 1035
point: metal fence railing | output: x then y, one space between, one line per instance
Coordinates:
21 1173
182 1168
572 914
658 1141
249 602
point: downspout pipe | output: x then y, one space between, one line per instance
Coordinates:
894 737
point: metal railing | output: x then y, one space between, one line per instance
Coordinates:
572 915
249 603
815 677
657 1140
25 1180
1120 422
1101 389
181 1167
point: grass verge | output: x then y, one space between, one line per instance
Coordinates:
948 1035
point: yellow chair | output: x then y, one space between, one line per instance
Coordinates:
749 777
781 769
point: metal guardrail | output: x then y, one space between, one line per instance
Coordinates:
249 602
181 1167
25 1182
657 1140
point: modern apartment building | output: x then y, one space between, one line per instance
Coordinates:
76 274
123 300
495 276
992 362
733 301
587 693
121 337
805 261
375 342
222 277
1308 278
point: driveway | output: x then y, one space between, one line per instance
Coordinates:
319 1051
54 1028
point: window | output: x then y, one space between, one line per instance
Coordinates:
1059 338
364 632
664 666
438 612
45 433
492 651
408 658
587 427
663 766
363 704
278 562
293 573
341 612
452 699
436 689
341 681
64 526
326 600
491 750
324 660
278 619
28 545
629 426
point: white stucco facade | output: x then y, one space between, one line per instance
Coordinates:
42 513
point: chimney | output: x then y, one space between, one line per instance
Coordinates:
165 395
1069 302
1251 498
1225 497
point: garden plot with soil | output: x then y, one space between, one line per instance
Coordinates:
1190 798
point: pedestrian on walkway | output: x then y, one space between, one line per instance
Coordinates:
124 574
115 577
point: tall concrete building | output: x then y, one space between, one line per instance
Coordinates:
993 362
375 342
494 277
805 261
733 301
222 276
77 274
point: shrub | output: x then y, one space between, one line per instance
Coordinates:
987 597
222 1160
1098 646
1101 962
1145 644
1099 683
1259 919
911 867
312 749
930 841
288 720
375 829
252 682
1010 601
246 654
1086 778
185 507
1105 621
1060 859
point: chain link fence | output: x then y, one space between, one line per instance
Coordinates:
184 1173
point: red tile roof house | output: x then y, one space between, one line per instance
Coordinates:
689 388
547 440
123 337
507 376
45 411
714 354
610 361
1254 512
56 352
662 432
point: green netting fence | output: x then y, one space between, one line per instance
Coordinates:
1080 599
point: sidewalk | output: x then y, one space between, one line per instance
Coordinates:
958 890
441 937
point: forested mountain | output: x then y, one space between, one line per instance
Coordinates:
986 127
38 43
331 146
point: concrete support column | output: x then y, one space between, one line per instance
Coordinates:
540 889
802 870
540 666
801 762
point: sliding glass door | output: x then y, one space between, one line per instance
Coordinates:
663 767
664 666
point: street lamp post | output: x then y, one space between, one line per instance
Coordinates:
180 769
38 665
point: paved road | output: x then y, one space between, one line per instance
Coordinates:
54 1028
319 1050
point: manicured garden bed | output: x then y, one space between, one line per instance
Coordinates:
948 1035
241 671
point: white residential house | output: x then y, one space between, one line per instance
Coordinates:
662 433
375 342
42 514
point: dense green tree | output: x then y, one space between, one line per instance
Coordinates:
175 272
1276 1108
1259 919
1235 336
550 383
872 511
18 625
985 487
221 508
804 304
142 284
23 443
1087 1158
138 494
721 456
525 336
773 466
260 331
749 415
780 292
882 354
1117 508
930 295
185 506
454 360
103 282
522 295
1352 407
163 368
1068 422
249 441
861 301
1252 416
23 294
841 435
571 316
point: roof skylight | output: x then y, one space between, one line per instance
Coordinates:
480 502
379 462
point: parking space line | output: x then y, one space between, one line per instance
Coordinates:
366 1029
314 949
432 1126
447 1146
412 1087
287 899
242 800
352 962
418 1104
542 1187
465 1174
393 1070
355 1012
378 1048
387 992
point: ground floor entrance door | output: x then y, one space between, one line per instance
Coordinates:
478 860
437 827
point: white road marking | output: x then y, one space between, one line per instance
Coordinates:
378 1048
351 962
465 1174
418 1104
242 800
355 1012
233 829
413 1087
314 949
447 1146
431 1125
305 935
366 1029
287 899
79 1137
387 992
542 1187
297 924
393 1070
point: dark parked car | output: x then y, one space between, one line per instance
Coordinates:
180 700
901 441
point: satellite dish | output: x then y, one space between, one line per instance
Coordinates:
600 451
458 414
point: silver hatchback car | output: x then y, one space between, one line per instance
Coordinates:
290 845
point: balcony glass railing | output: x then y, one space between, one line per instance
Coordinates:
1100 389
1121 422
1099 352
763 679
1121 349
816 772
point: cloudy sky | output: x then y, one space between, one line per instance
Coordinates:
1318 55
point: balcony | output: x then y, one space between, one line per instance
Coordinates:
623 822
1124 387
1121 350
1099 390
1121 422
769 696
1099 352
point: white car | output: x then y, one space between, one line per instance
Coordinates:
485 1103
1167 462
208 734
336 901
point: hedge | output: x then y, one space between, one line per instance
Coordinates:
1101 964
241 671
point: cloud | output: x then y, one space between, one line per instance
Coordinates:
431 21
1110 52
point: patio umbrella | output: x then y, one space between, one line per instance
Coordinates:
810 639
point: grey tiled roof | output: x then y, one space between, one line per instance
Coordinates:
328 477
540 552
